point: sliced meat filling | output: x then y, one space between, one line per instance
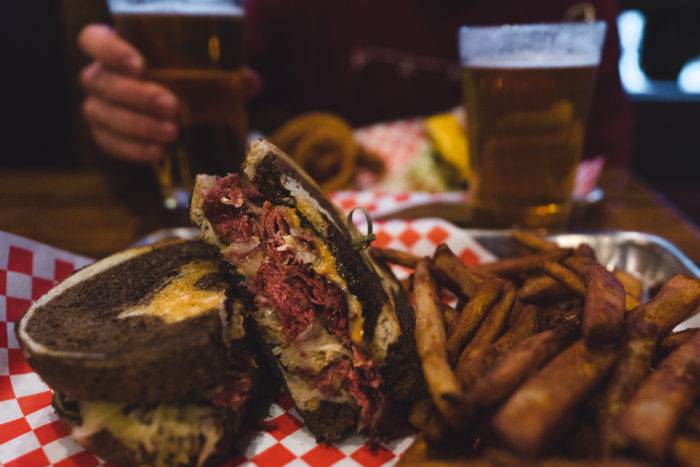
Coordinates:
277 259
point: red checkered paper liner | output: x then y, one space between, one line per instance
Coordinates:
396 143
382 203
30 432
32 435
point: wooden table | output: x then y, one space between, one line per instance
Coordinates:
77 211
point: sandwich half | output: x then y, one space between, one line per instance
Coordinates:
337 327
147 353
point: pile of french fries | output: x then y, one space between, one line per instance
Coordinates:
551 359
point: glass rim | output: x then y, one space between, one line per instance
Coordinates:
178 7
525 27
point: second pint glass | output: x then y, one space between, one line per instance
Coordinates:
527 91
194 48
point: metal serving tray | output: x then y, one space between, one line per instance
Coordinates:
650 258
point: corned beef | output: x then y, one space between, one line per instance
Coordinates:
292 288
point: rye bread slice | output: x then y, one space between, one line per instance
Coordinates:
92 337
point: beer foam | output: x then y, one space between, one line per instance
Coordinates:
544 45
176 8
532 60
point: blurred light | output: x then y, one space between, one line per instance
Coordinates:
630 25
689 77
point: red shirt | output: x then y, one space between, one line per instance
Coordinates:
374 60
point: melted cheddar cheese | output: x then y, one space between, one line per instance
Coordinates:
180 299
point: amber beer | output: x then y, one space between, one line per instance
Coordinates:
196 51
528 127
527 104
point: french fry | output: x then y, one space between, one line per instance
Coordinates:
450 315
390 255
519 307
503 458
514 315
407 283
513 368
420 412
416 454
436 430
565 277
633 286
629 372
691 421
543 288
490 327
538 289
471 315
524 327
579 263
582 442
677 300
584 250
513 386
431 343
522 264
419 454
451 272
674 340
686 451
552 317
652 415
609 462
604 309
529 417
533 241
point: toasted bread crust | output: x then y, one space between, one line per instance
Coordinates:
402 373
332 421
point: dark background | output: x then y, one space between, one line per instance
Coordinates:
40 98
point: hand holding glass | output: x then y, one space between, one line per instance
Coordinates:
195 48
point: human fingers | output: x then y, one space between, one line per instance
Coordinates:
129 123
145 96
100 42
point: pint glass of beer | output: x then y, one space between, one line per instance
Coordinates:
527 92
194 48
